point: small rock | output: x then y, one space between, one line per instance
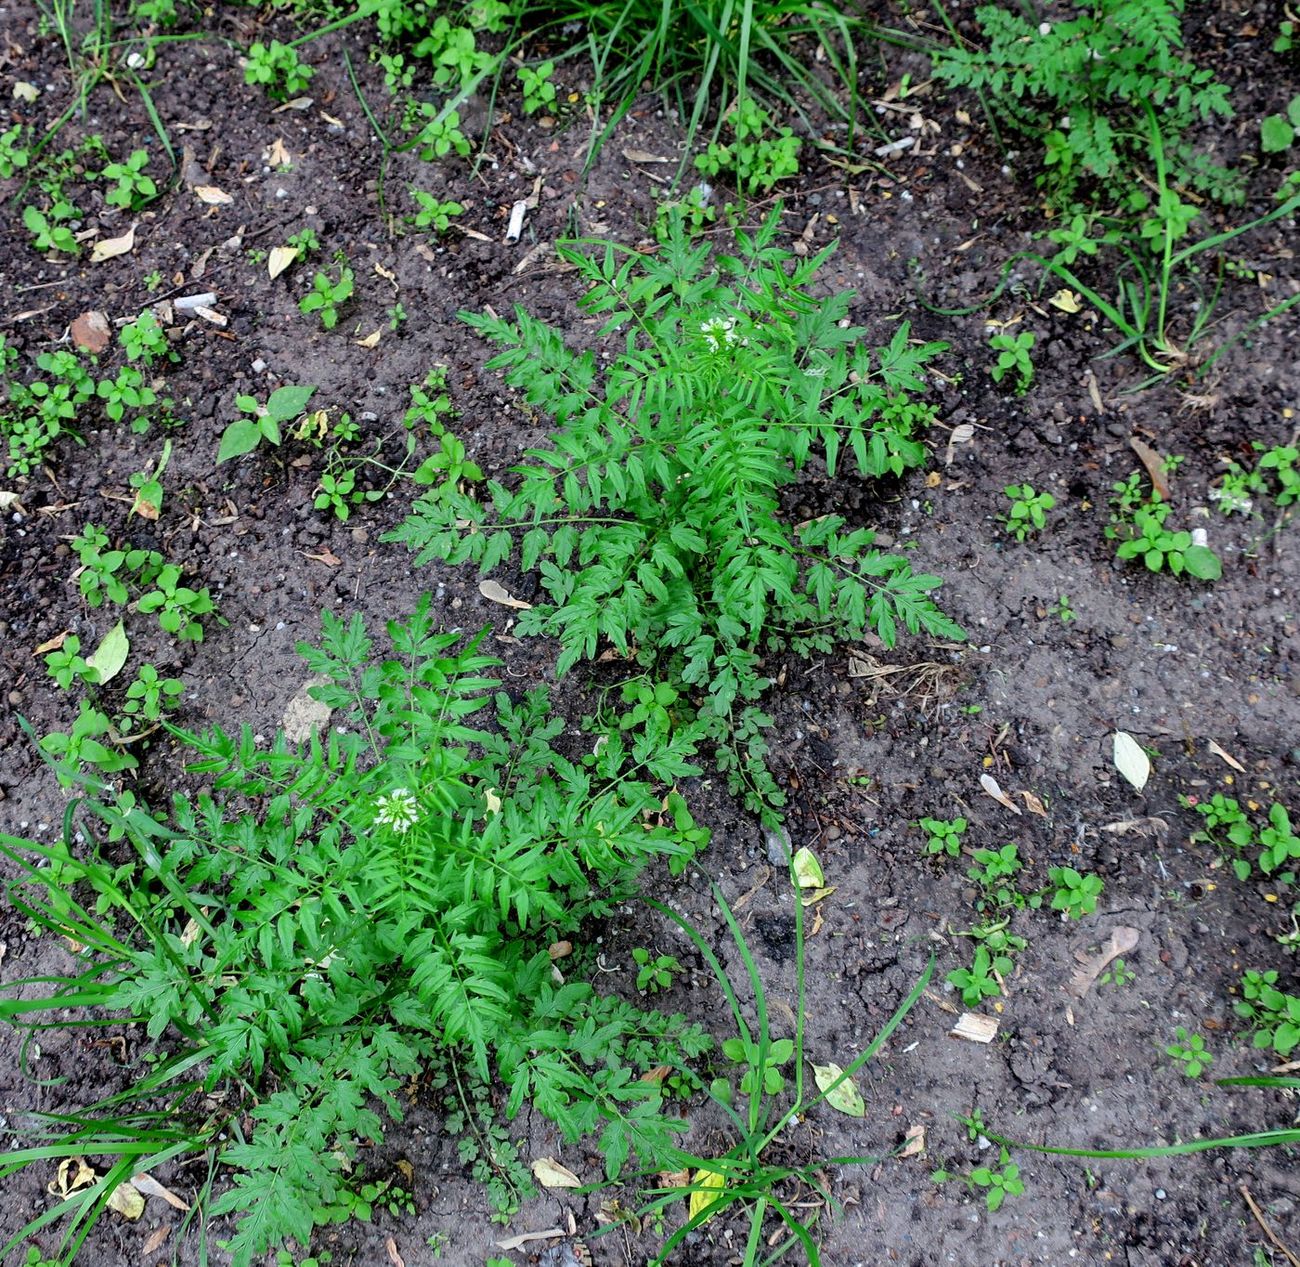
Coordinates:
778 846
91 332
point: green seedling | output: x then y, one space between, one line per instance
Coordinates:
104 573
983 979
149 696
1160 549
433 214
1280 462
1118 974
1274 1017
326 295
1028 513
994 871
757 159
1189 1053
14 151
430 403
439 134
1013 358
263 422
1074 894
539 92
396 316
81 746
654 972
943 835
1281 844
1064 611
178 606
149 488
1277 132
128 392
303 243
761 1070
144 340
277 67
131 188
66 665
997 1184
51 229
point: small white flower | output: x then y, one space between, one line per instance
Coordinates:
398 809
720 332
1044 29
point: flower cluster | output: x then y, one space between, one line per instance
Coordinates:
397 809
720 332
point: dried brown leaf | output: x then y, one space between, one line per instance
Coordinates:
109 248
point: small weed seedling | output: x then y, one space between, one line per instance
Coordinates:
433 214
1189 1053
277 67
304 242
1013 358
994 871
51 229
66 665
654 972
1028 513
1118 973
762 1069
144 340
1272 1015
148 697
1281 846
178 606
264 422
1064 611
983 979
1074 894
128 392
943 835
326 295
1277 132
756 159
131 188
539 92
996 1183
14 151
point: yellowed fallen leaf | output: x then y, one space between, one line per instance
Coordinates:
155 1242
495 593
1131 760
279 259
518 1242
126 1201
1033 804
1066 301
1231 760
844 1097
387 274
25 92
493 801
808 872
393 1256
913 1142
810 897
371 340
212 196
327 557
550 1174
108 248
73 1173
150 1187
707 1191
52 644
277 154
645 156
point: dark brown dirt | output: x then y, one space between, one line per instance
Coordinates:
1032 699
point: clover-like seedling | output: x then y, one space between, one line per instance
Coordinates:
1189 1053
944 835
131 187
1028 513
326 295
1074 893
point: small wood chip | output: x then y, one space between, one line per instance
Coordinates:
975 1027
